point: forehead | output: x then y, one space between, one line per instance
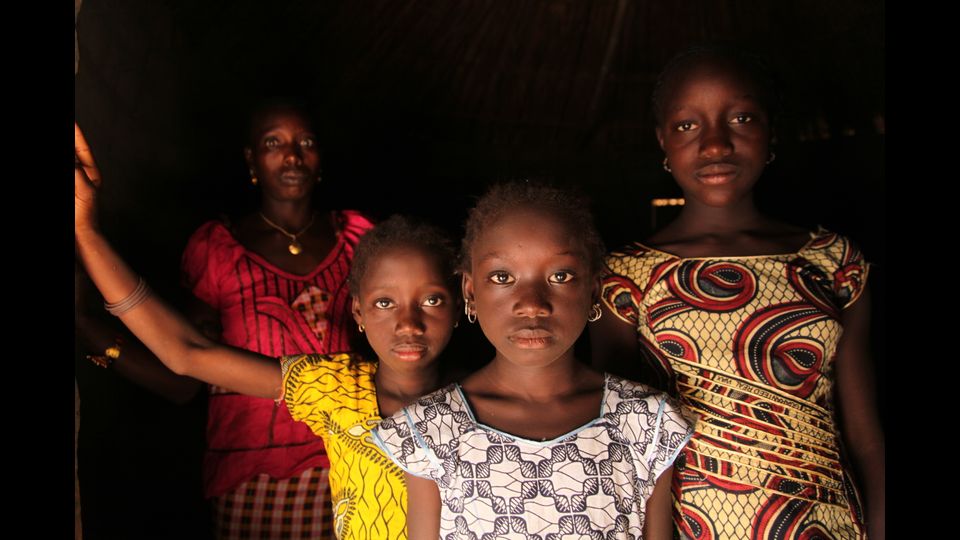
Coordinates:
403 265
709 78
527 229
277 118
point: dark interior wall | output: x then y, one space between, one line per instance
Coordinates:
422 103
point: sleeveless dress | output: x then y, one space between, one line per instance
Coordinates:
748 344
593 482
266 472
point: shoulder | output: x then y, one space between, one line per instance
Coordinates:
211 243
842 262
627 273
352 225
322 371
646 415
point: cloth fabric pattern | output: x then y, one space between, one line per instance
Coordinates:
748 343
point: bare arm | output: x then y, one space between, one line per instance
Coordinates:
168 334
659 519
856 397
423 508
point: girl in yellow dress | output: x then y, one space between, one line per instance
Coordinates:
403 300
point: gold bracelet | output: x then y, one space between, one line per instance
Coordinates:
106 359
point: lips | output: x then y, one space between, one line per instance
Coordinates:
717 173
293 177
531 338
409 351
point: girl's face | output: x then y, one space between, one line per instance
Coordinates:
715 133
285 156
406 307
531 281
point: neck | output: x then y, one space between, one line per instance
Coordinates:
697 217
293 216
405 386
536 383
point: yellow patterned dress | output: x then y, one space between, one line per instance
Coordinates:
748 343
335 396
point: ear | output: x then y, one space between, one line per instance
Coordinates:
467 287
355 310
248 156
659 131
595 292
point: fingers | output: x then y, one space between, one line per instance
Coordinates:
84 157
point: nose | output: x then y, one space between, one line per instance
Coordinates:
293 155
532 301
715 141
410 321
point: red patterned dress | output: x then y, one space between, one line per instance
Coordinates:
748 344
267 473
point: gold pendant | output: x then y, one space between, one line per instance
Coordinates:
295 248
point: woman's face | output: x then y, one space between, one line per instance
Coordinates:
406 307
715 133
530 278
284 156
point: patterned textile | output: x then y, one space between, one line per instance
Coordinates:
593 481
270 508
748 345
336 397
264 309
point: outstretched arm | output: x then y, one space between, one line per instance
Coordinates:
856 397
165 332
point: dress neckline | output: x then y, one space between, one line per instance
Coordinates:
574 431
327 259
814 235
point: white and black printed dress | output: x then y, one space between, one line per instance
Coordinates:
592 482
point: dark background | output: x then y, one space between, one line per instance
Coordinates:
421 104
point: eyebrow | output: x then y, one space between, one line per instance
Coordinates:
498 255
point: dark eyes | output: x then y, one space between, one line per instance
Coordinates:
503 278
685 126
742 118
274 142
433 300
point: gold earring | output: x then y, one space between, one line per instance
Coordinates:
595 313
361 327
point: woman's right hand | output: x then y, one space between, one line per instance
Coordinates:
85 184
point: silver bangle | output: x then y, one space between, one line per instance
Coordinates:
134 299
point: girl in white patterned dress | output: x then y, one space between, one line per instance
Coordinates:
535 444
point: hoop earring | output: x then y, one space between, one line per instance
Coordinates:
361 327
470 313
595 313
771 158
666 166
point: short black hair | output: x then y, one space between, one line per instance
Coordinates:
570 206
748 64
403 231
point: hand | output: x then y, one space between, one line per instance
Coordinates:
86 182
